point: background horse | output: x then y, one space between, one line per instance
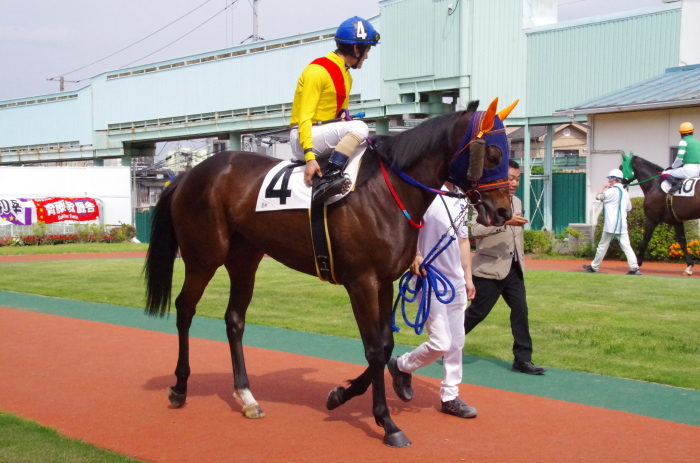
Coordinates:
209 214
656 209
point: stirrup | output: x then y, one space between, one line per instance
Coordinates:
330 186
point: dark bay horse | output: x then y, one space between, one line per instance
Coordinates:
656 208
209 214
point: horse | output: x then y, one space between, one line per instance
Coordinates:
656 208
209 215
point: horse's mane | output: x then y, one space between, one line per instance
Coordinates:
434 135
430 136
650 164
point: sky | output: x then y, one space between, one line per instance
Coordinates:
42 39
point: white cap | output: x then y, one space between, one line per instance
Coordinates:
617 173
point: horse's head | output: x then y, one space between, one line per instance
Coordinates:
480 165
627 168
636 168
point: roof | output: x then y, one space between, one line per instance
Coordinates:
679 86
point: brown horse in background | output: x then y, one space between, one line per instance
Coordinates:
209 214
656 208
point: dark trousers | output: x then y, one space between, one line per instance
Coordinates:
512 288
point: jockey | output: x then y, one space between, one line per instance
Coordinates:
323 94
687 163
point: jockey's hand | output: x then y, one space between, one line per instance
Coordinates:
344 114
312 168
415 267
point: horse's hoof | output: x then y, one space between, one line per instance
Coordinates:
397 440
176 399
253 411
335 398
687 273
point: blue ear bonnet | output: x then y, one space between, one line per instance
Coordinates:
495 137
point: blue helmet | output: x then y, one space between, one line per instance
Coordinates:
357 31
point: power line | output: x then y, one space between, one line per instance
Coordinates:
129 46
182 36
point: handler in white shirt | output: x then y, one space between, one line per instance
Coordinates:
616 204
445 324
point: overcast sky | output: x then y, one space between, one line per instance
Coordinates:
40 39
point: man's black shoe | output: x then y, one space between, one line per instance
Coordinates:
589 269
456 407
528 368
401 381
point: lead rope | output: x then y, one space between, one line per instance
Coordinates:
435 282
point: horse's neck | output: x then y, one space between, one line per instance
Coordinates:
644 173
430 172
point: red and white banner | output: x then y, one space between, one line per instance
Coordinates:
52 210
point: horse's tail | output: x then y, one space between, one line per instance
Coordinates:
162 251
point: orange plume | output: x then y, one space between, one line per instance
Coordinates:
489 117
504 113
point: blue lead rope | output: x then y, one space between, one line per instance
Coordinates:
435 282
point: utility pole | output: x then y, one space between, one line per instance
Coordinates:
61 81
255 37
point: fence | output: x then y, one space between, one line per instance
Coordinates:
568 200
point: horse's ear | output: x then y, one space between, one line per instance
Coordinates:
504 113
489 117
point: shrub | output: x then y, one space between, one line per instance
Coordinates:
8 241
660 241
537 241
124 232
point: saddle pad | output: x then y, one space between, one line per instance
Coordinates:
688 188
284 187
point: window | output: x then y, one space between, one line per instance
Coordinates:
558 153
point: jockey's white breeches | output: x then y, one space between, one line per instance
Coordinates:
685 171
327 136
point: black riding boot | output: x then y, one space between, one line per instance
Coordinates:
676 184
333 181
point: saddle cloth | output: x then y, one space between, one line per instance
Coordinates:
284 187
688 188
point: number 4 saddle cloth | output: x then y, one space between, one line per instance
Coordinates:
284 187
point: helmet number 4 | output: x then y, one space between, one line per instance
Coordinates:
360 31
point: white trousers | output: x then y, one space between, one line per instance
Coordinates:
327 136
445 326
685 171
624 244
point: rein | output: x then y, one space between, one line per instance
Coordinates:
435 282
644 181
398 200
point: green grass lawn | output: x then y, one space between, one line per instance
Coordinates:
24 441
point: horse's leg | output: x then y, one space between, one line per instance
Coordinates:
680 236
649 226
242 264
359 385
196 279
372 309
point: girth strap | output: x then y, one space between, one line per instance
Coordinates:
669 205
321 243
